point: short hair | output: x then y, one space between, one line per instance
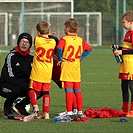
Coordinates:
73 25
43 27
128 16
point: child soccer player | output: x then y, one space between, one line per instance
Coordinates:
126 67
71 49
41 73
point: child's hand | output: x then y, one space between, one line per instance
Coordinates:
118 52
59 62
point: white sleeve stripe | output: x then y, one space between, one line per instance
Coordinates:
9 67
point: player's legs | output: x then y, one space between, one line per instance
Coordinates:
69 96
130 113
69 99
10 94
79 97
125 95
131 89
74 105
35 90
46 101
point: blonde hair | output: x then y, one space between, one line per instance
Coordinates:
43 27
128 16
72 25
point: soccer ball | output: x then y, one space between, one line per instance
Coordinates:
27 107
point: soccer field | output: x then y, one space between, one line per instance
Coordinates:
100 88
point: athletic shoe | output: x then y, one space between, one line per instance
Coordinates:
80 114
63 113
130 114
75 111
69 113
43 116
14 117
20 110
4 113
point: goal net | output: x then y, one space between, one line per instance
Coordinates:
23 15
4 28
89 23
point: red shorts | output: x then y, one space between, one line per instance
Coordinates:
73 85
39 86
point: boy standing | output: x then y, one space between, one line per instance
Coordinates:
126 67
41 73
71 49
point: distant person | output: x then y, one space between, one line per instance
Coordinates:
15 74
126 67
41 73
71 49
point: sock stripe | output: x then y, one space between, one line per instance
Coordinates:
68 90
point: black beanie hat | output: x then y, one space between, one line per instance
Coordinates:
26 36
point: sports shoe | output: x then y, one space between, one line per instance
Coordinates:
63 113
69 113
4 113
75 111
130 114
14 117
43 116
80 114
20 110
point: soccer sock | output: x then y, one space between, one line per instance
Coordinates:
74 101
33 97
125 106
79 99
69 99
46 103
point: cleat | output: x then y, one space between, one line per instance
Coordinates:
69 113
62 113
80 114
46 116
20 110
130 114
14 117
4 113
75 111
43 116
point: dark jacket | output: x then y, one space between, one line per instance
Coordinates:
16 70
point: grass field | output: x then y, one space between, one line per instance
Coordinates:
100 87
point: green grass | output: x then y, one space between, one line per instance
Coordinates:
100 87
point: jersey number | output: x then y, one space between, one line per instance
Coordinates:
48 54
77 55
